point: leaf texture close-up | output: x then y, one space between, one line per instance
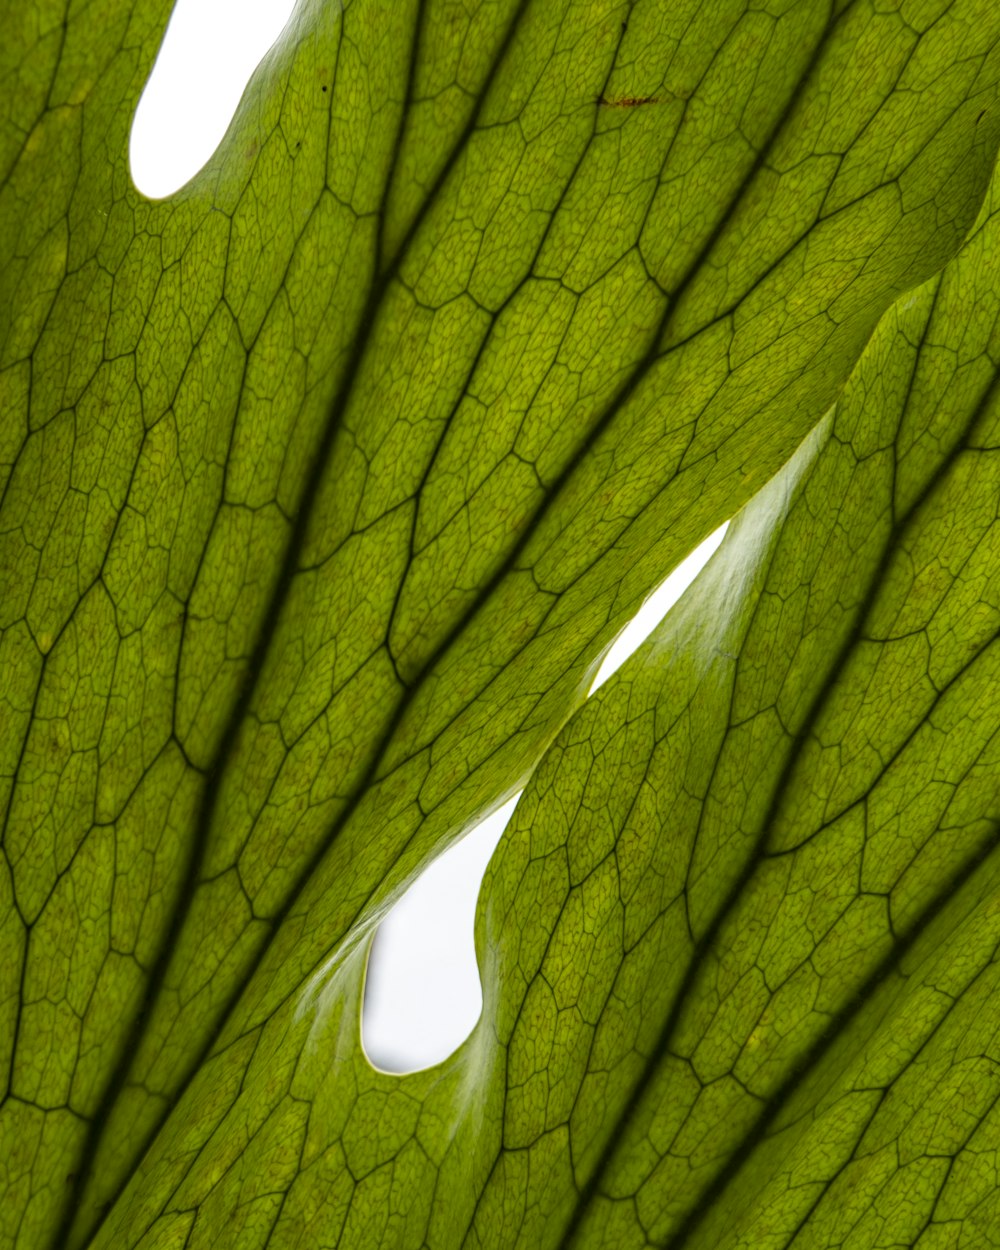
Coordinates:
326 483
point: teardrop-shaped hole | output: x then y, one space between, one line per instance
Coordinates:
423 995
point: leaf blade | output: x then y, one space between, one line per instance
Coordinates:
185 687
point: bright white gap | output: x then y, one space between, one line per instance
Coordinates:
423 995
210 49
655 607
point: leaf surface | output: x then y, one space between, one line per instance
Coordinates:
326 484
739 942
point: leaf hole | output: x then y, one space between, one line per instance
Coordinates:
209 51
423 995
655 607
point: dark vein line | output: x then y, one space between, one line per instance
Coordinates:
842 1020
617 1137
118 1076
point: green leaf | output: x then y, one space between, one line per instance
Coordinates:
329 480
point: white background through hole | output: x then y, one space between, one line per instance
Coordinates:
423 994
209 52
